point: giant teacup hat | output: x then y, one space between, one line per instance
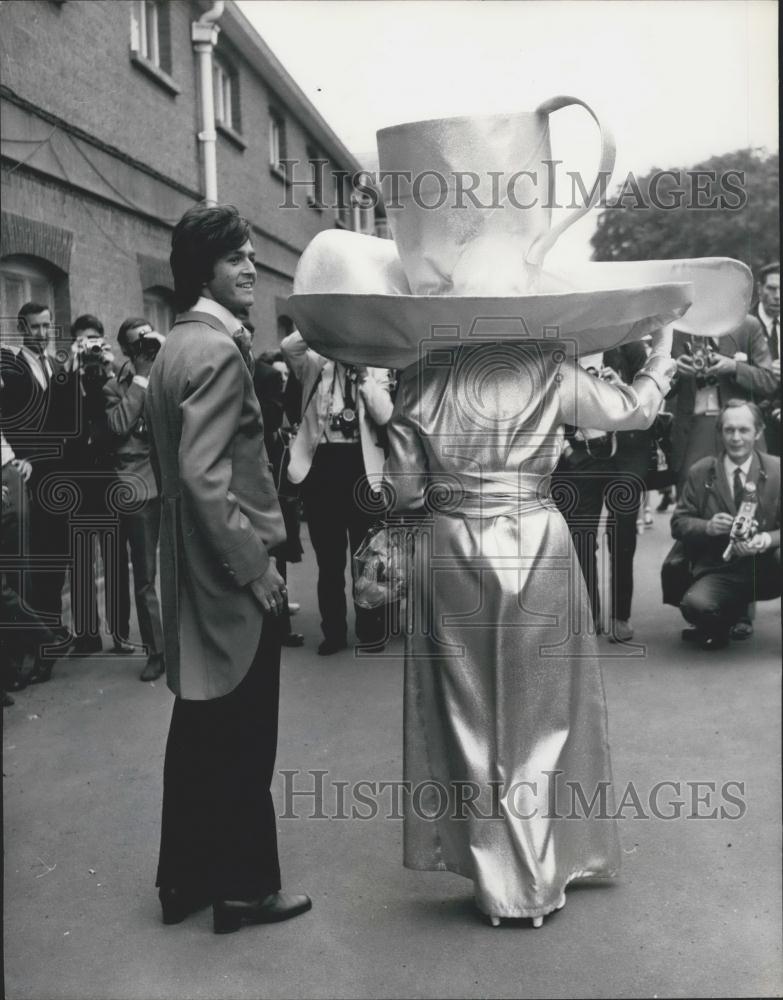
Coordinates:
472 227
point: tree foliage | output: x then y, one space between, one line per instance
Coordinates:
727 206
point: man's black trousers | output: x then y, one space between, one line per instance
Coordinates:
219 829
337 523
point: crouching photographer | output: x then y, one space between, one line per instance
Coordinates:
139 522
728 520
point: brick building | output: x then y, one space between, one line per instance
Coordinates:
101 155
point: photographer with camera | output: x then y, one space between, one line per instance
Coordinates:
709 373
88 458
336 446
728 517
598 469
138 528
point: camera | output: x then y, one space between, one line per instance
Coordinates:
147 345
345 421
701 359
93 354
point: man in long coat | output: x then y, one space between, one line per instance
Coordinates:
221 591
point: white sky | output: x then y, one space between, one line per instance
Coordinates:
676 80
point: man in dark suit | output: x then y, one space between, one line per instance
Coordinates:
139 520
270 392
709 373
703 518
767 311
221 591
606 469
33 395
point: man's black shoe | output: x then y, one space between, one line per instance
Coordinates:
329 646
43 670
230 914
293 639
84 645
7 700
713 642
743 629
177 904
153 669
691 635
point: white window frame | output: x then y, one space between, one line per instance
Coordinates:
224 94
145 30
158 309
276 141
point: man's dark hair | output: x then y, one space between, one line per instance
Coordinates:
764 272
130 324
31 309
86 322
202 235
733 404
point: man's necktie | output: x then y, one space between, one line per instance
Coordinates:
738 488
773 340
242 341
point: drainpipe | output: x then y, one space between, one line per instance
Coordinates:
204 33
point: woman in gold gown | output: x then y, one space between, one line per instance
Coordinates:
505 744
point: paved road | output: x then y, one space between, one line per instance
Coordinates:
697 911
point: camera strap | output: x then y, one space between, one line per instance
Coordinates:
348 398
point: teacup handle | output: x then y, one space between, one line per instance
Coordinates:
541 246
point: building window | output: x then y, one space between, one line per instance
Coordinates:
159 308
225 83
22 280
343 198
318 165
277 144
151 32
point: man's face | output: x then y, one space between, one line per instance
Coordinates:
739 433
769 293
35 330
234 279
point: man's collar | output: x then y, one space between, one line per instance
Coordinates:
213 308
730 465
765 317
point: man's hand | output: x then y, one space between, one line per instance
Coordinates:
721 365
685 365
23 467
753 546
609 375
142 365
270 590
719 524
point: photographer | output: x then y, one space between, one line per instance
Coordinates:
337 446
88 458
727 576
597 469
124 400
709 373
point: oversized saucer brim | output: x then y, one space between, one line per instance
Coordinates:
394 331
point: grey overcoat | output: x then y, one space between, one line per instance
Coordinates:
219 510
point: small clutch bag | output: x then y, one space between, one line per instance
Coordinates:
382 564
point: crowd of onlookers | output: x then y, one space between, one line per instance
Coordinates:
81 501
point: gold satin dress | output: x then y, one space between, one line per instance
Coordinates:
505 734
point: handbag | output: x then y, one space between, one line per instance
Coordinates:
382 565
675 574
